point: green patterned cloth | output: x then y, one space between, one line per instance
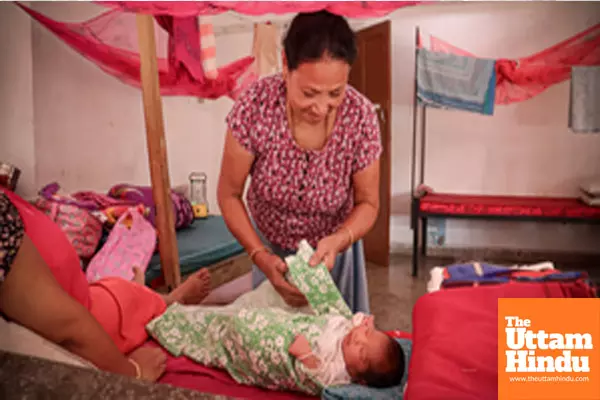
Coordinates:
315 283
251 343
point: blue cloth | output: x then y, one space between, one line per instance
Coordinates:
451 81
360 392
349 275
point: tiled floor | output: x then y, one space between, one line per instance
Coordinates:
393 291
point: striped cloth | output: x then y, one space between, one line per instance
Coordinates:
208 48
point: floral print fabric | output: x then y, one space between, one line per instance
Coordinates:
11 234
296 193
252 343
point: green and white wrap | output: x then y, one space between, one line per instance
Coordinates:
250 338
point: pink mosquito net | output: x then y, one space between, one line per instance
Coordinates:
524 78
110 40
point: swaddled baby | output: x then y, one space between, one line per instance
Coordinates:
263 342
351 351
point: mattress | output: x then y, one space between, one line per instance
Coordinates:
455 338
507 206
204 243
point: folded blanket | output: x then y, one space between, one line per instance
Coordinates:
473 274
439 274
452 81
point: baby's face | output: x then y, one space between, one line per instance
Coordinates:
363 347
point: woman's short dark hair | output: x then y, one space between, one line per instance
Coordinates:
314 35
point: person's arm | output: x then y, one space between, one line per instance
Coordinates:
235 168
301 350
365 183
359 222
366 200
32 297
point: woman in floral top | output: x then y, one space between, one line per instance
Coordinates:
311 144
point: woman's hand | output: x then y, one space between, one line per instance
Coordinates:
152 362
274 268
328 248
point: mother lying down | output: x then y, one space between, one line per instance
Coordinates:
43 288
264 341
261 341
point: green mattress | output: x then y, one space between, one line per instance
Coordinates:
204 243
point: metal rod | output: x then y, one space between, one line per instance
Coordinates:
414 128
423 142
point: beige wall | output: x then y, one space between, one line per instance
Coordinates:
87 131
524 148
17 139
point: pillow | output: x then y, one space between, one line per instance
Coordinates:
591 187
55 249
360 392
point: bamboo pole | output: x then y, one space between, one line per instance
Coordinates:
157 152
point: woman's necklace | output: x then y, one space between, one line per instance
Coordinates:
325 133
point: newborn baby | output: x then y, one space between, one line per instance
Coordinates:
351 352
260 341
278 350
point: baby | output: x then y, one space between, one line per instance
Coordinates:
351 352
260 341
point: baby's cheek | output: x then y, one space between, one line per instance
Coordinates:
350 357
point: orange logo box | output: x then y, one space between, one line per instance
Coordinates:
549 349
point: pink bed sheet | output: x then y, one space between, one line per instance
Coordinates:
185 373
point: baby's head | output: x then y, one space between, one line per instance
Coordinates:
373 358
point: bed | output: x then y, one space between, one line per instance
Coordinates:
442 84
473 206
455 335
521 208
206 243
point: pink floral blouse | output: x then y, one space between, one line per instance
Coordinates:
295 193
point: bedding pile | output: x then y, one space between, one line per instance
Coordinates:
475 273
110 232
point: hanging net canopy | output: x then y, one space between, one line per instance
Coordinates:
523 78
186 48
184 44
